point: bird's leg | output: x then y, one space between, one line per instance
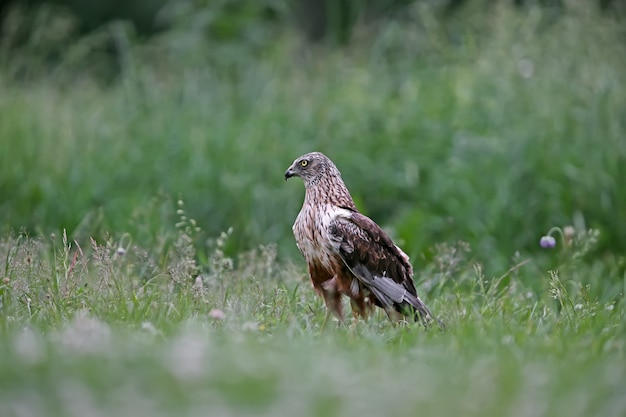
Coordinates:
357 312
326 316
333 305
332 299
359 308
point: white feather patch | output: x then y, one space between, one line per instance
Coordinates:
311 230
354 286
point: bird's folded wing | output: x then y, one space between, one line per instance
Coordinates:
373 258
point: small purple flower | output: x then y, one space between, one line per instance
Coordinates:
217 314
547 242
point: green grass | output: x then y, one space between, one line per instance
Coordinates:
467 140
92 331
489 130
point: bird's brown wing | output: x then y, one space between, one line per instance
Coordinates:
377 263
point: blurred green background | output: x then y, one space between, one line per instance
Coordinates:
479 121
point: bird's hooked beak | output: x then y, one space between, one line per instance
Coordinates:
290 173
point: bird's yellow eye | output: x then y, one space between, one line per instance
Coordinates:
304 163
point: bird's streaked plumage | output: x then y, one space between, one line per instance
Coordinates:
346 252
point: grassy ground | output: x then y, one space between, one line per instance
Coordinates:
485 131
113 329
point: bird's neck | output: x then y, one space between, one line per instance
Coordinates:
329 191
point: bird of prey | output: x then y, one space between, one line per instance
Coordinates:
346 252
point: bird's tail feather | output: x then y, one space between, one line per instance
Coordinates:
420 311
394 295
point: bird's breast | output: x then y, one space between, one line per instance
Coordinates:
311 230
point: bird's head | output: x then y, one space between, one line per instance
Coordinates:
311 167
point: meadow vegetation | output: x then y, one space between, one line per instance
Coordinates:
148 266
